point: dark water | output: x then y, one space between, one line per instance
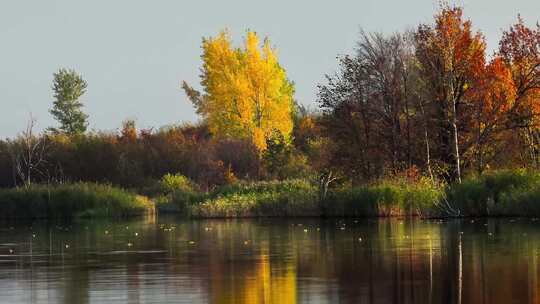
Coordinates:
166 260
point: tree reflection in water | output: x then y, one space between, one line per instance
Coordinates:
270 261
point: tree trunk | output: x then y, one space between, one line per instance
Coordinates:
456 143
426 138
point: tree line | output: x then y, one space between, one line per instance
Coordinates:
431 99
424 102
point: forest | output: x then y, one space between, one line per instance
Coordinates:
421 122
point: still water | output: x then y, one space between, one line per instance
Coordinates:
169 260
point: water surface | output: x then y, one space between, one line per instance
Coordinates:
169 260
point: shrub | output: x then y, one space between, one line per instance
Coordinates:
171 183
130 157
176 193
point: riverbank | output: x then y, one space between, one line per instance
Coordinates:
499 193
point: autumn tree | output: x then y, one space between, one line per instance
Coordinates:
129 131
246 91
519 48
68 87
367 107
424 100
450 56
487 125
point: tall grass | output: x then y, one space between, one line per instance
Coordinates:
300 198
270 198
70 200
498 193
386 198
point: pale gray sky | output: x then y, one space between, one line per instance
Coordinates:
134 53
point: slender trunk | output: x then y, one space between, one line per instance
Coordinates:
259 110
408 121
426 138
479 152
29 166
428 155
409 159
367 149
456 142
534 145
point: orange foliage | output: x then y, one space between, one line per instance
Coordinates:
520 49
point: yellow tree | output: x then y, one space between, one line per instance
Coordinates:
247 93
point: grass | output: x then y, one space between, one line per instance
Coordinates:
71 200
498 193
250 199
298 197
385 198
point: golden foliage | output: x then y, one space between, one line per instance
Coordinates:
248 94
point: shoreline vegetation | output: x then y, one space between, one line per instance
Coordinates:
71 200
416 123
499 193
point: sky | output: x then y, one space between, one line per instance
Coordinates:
135 53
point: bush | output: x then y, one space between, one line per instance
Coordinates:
131 157
175 193
171 183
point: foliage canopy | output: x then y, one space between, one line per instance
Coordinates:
68 86
247 93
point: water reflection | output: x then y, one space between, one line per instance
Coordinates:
167 260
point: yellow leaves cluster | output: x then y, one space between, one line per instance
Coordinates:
248 93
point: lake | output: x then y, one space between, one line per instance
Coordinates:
170 260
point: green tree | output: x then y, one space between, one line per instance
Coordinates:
68 86
277 154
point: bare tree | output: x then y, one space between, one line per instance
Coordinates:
325 179
368 108
28 154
